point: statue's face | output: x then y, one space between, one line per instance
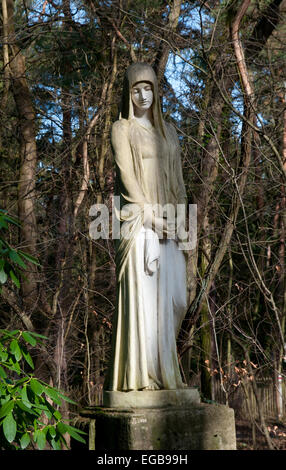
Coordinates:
142 95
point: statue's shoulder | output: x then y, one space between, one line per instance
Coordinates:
119 133
122 125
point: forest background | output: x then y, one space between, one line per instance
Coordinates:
222 76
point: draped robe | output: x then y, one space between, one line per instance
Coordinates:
151 272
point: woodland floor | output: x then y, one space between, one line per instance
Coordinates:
277 432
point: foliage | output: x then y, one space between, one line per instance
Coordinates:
29 408
29 413
12 261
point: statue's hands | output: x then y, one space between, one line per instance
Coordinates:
171 229
164 227
160 227
182 235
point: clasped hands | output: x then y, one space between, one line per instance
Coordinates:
165 227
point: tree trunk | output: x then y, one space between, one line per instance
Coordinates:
164 47
28 165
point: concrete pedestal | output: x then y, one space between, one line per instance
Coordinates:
178 422
151 398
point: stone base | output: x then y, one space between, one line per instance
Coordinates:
198 426
151 398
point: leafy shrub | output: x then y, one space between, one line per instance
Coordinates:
29 408
25 400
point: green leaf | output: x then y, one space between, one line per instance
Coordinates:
9 334
28 257
9 427
27 409
48 413
56 444
72 428
40 438
29 338
7 408
25 440
6 397
3 374
72 431
57 415
15 349
77 437
67 399
3 356
41 407
28 358
3 276
9 218
52 431
14 278
14 256
75 433
37 335
3 223
53 394
14 365
37 387
25 398
61 427
3 350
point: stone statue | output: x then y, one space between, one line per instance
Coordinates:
151 270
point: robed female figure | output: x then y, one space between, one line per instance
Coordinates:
150 266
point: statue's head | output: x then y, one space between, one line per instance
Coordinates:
142 96
141 76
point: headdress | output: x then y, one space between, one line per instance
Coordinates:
135 73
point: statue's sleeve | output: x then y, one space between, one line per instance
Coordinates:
129 185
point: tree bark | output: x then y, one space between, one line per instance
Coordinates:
28 152
6 66
164 47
